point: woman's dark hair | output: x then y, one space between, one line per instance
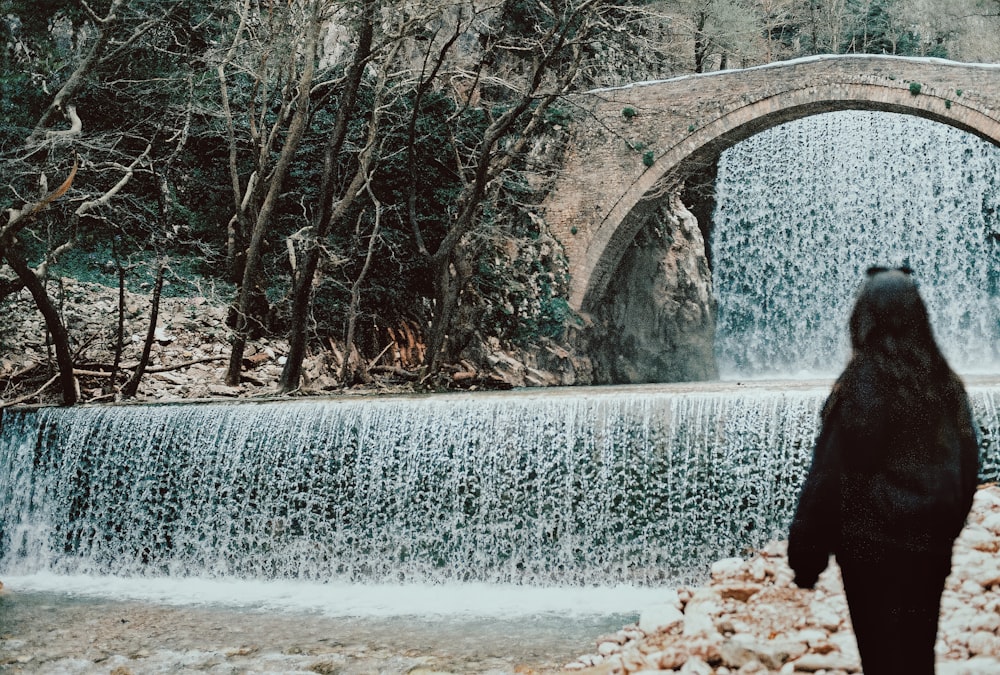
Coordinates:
892 340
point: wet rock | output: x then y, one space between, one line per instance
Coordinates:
656 323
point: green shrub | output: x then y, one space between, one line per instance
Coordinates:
556 116
647 158
915 88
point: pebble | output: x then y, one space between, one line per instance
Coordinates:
750 618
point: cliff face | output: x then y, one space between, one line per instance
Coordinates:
657 321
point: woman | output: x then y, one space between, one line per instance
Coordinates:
892 478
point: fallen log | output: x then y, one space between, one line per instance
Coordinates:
397 371
154 369
28 397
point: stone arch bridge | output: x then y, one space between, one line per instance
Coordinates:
635 146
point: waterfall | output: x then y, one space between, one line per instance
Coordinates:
641 485
804 208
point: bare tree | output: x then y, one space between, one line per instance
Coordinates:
721 30
334 202
104 162
295 28
556 54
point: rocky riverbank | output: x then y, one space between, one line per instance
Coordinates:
190 353
750 619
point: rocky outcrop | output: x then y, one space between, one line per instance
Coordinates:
656 323
751 619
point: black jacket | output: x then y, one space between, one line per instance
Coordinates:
885 477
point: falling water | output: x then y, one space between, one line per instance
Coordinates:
584 488
594 487
803 209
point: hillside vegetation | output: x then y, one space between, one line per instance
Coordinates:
357 184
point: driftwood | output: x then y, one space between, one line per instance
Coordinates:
154 369
380 355
395 370
28 397
24 371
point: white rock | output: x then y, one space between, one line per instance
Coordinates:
810 636
826 615
991 523
847 648
832 661
160 335
980 665
986 500
985 621
974 534
695 666
758 569
743 649
982 643
660 618
700 613
608 648
970 588
727 568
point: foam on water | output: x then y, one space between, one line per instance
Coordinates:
804 208
343 600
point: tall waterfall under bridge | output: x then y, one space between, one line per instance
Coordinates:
633 146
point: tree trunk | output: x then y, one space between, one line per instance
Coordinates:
700 44
120 332
291 373
446 290
132 386
57 107
253 270
352 312
60 337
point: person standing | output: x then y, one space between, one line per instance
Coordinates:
892 479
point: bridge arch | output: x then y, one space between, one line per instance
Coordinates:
691 120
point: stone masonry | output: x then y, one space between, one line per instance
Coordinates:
633 146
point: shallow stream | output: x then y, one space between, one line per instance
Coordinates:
56 632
